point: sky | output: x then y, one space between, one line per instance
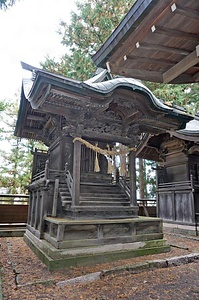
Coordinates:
28 33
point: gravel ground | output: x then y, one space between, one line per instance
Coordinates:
24 277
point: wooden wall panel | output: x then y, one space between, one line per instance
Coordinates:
13 213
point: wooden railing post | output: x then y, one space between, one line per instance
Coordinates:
66 167
46 170
76 173
192 182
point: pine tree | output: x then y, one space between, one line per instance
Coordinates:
89 27
15 154
184 95
5 4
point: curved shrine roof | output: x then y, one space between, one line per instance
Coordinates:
116 110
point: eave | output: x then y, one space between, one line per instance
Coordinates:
157 41
125 106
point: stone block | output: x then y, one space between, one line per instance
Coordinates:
177 261
192 257
159 263
80 280
138 267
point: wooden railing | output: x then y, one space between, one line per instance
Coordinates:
48 173
182 185
38 176
69 181
14 199
124 185
147 201
147 206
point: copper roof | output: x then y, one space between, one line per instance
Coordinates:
116 109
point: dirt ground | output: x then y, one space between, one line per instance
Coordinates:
24 277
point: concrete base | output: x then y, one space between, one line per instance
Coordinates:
87 251
191 230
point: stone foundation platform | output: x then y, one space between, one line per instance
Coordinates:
68 242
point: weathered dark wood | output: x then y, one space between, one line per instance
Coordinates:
152 29
133 197
179 68
76 173
177 193
13 213
55 198
163 48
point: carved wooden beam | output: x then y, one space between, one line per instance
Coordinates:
35 118
59 95
107 137
133 117
66 112
182 66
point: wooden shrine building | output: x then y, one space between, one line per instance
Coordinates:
158 41
80 211
77 215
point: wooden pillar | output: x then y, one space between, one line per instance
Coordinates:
76 173
36 209
55 198
43 210
29 207
32 212
133 197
